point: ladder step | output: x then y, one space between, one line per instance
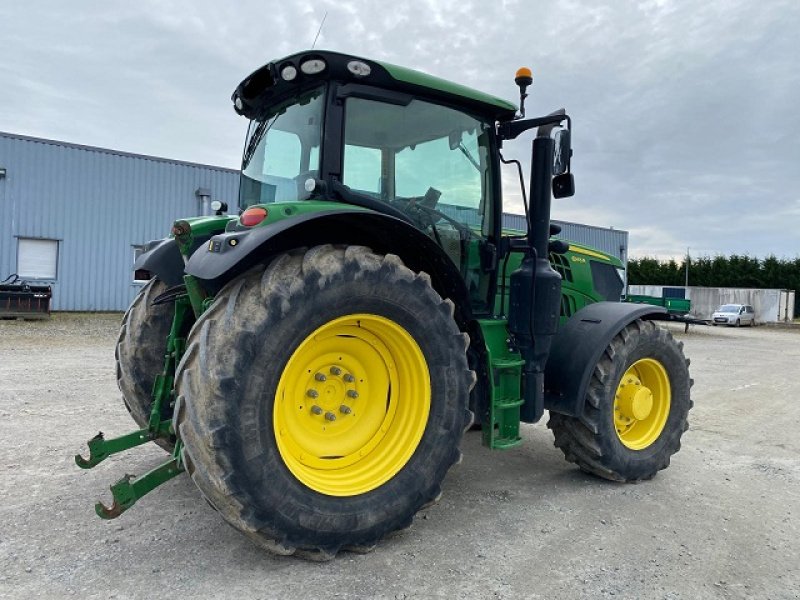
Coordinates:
505 443
501 425
504 403
503 364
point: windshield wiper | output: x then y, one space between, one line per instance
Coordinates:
258 135
469 156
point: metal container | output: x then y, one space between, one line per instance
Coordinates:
21 300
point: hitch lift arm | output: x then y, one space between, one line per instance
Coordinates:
129 489
101 448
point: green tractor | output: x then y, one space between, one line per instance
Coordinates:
327 348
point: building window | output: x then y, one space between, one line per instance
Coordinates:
37 258
139 275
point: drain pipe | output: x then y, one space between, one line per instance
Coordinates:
204 194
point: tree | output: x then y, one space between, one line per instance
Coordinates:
720 271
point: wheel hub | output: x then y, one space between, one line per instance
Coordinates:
642 403
352 404
635 401
334 396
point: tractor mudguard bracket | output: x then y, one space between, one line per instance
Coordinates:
129 489
196 295
101 448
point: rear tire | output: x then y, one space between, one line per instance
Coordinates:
253 443
630 434
141 346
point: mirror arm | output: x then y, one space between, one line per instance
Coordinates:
546 129
511 129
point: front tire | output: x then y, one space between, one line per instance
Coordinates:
636 407
140 350
322 401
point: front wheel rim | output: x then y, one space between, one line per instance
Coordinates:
642 403
352 405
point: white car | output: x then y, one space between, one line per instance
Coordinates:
734 314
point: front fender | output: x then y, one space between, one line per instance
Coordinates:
229 254
578 347
162 259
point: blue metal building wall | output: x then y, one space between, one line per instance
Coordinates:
610 241
98 203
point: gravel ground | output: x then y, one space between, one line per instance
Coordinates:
721 522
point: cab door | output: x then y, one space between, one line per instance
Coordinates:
431 162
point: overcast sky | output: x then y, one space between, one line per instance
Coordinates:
686 114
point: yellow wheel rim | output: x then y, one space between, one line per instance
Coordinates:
641 404
352 404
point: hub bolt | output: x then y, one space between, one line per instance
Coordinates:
352 393
320 377
345 410
336 371
312 393
349 378
330 416
316 410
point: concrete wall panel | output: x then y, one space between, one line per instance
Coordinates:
770 305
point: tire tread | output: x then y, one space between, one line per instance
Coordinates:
201 421
581 438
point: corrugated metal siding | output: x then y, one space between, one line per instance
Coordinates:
610 241
98 203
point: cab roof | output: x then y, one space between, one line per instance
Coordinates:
266 86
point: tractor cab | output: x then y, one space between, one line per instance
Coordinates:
426 152
325 126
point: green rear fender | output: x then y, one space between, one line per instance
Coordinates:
231 253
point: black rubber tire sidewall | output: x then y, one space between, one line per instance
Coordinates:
643 463
259 494
140 349
436 448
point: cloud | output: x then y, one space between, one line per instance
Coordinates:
685 115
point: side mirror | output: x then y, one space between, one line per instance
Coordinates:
562 152
563 185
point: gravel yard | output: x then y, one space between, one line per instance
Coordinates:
722 522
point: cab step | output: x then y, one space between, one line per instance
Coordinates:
501 428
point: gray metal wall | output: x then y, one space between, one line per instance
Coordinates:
98 203
610 241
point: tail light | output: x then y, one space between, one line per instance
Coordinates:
253 216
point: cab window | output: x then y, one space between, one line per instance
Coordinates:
282 151
404 154
433 163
